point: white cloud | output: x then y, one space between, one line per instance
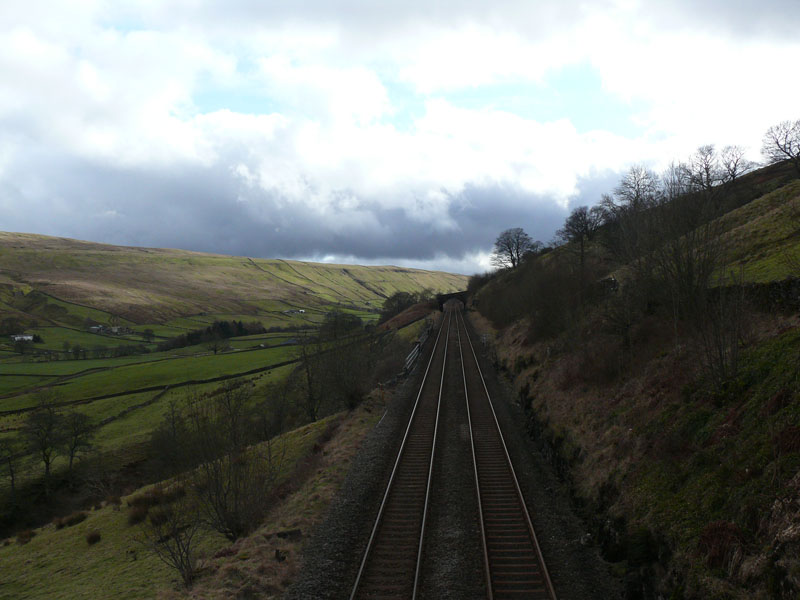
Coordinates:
355 111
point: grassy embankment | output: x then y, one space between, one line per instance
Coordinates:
60 564
677 472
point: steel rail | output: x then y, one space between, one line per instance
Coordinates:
400 455
486 566
549 589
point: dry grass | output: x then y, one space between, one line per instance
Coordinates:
264 564
147 285
408 316
650 445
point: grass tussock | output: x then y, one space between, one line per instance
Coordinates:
711 470
137 514
23 537
70 520
93 537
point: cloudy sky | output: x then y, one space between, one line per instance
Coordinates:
396 132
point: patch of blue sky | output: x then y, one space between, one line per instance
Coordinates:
245 95
574 93
239 100
407 105
126 21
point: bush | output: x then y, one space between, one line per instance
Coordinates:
159 517
23 537
720 544
137 514
69 520
172 494
92 537
74 519
148 499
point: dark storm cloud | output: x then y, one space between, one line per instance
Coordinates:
298 168
751 18
202 209
372 19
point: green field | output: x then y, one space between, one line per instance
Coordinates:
761 238
54 338
158 373
59 564
57 289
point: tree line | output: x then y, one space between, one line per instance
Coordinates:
213 335
400 301
225 446
661 230
47 433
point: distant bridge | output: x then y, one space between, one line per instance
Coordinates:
442 298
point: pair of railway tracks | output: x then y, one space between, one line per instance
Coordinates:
393 560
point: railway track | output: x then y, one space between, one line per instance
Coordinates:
392 562
513 561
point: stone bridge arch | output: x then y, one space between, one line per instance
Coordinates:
442 298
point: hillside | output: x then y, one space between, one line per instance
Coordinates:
116 339
675 418
152 285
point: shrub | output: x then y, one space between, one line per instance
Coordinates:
73 519
148 499
159 517
788 440
137 514
92 537
172 494
115 500
23 537
69 520
719 543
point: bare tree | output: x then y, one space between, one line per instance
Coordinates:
170 440
581 226
9 459
44 431
782 142
338 324
216 343
171 532
234 489
346 371
311 374
78 434
721 332
273 411
510 246
710 173
734 163
633 233
638 190
233 482
704 170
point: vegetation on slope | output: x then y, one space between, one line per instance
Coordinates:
316 354
58 562
149 285
675 417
